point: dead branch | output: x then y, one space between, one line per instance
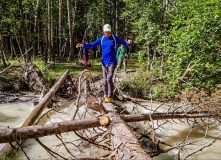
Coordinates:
188 69
65 146
52 153
15 61
79 93
92 142
203 147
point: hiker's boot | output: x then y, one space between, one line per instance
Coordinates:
108 100
105 98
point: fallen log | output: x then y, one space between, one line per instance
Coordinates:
13 134
7 149
125 144
44 102
36 131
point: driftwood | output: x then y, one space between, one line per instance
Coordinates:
36 131
7 149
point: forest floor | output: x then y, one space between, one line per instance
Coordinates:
52 72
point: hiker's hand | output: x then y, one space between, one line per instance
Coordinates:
126 55
79 45
129 41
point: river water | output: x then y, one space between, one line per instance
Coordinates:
173 132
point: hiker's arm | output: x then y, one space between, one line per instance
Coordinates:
93 44
90 45
79 45
129 41
121 41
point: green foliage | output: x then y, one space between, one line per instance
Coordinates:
186 34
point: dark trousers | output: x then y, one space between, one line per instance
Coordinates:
108 86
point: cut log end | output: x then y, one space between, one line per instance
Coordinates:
104 120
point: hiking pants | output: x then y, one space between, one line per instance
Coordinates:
85 61
108 86
120 61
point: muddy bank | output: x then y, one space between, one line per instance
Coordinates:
6 97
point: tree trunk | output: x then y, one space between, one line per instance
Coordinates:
125 145
2 52
49 31
126 29
37 111
46 43
165 35
117 17
21 133
73 23
36 23
60 26
103 12
71 53
52 34
148 55
24 34
41 105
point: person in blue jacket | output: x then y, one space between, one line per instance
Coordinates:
109 61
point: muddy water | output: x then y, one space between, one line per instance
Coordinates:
171 133
78 148
14 114
175 131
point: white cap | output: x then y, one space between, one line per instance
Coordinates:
107 27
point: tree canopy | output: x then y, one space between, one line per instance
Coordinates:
177 41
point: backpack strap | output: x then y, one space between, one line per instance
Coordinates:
102 39
114 41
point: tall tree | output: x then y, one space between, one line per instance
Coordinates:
117 17
52 33
2 54
60 26
24 33
71 53
36 26
49 31
103 11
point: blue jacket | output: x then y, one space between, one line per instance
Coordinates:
108 48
